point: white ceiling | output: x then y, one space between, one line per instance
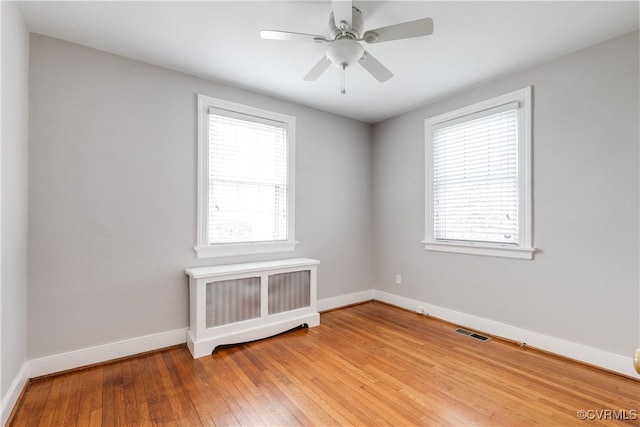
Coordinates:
472 43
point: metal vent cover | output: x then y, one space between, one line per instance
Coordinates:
472 335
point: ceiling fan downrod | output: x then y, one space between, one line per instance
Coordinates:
343 69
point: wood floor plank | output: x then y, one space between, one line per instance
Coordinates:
73 406
317 380
370 364
192 390
159 404
88 378
112 404
321 406
175 384
35 399
276 402
52 404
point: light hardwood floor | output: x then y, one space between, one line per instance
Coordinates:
370 364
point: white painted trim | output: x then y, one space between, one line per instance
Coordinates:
473 248
203 167
10 399
344 300
202 247
592 356
102 353
524 250
203 339
234 249
248 267
205 347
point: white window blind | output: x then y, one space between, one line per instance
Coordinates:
475 177
247 173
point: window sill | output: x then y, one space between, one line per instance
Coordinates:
502 251
233 249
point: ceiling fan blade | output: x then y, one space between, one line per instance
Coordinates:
288 35
375 68
318 69
342 12
406 30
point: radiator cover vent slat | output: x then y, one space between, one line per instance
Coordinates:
472 335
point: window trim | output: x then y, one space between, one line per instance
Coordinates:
523 250
203 248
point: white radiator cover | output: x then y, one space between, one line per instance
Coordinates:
236 303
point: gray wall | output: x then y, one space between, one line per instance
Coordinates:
112 201
14 155
113 196
583 285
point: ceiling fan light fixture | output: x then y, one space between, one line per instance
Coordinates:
345 52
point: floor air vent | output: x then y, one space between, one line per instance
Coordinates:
472 335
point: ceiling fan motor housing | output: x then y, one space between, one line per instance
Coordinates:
354 31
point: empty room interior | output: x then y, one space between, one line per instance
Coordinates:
320 213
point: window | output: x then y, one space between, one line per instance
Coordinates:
478 178
245 186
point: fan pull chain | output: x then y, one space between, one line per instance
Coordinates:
342 73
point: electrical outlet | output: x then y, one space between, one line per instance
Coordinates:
398 279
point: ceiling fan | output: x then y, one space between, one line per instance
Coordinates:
345 36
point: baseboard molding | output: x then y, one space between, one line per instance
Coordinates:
344 300
589 355
102 353
10 399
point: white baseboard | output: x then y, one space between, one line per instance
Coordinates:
344 300
102 353
88 356
10 399
592 356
